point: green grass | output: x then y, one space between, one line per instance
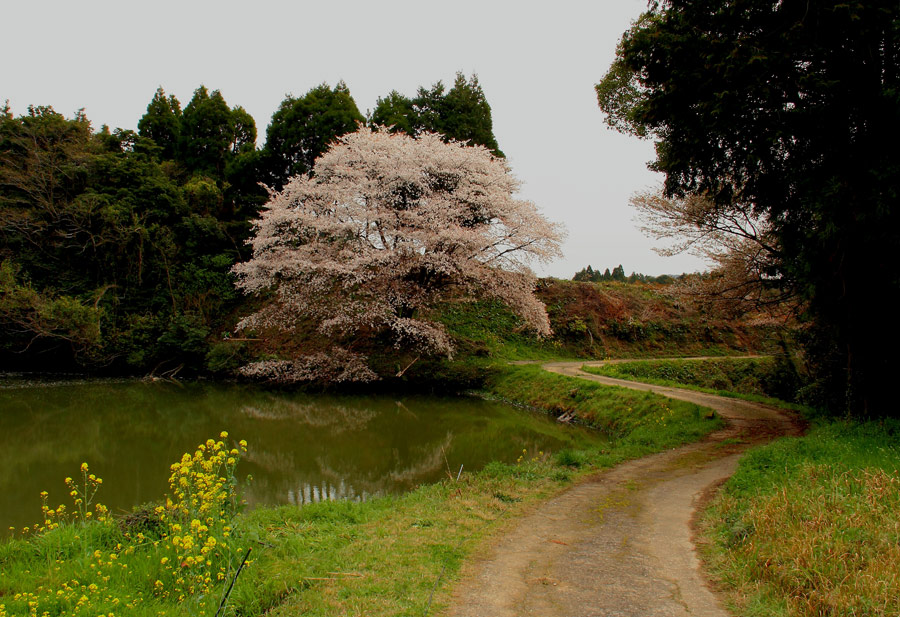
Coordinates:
622 413
389 553
810 526
751 379
384 556
489 329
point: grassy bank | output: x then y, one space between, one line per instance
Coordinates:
600 320
633 418
764 380
382 557
810 527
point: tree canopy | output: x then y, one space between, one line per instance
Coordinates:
111 253
461 113
786 112
162 123
116 246
303 128
387 227
589 275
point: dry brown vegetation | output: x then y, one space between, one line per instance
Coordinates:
639 319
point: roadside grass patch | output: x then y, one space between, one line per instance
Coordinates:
383 556
766 379
629 417
810 526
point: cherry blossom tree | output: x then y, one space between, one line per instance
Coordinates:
386 228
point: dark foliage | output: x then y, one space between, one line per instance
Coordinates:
461 113
116 249
589 275
791 107
303 128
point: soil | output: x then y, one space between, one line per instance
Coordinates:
620 543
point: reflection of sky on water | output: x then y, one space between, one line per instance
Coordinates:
302 448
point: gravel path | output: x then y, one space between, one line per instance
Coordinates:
620 543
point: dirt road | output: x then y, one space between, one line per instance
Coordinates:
619 544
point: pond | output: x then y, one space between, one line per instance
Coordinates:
302 448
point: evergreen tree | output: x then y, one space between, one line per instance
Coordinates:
585 274
396 113
461 113
303 128
162 123
243 131
207 133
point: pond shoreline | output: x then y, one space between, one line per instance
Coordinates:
452 517
303 447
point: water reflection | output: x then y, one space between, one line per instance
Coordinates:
302 448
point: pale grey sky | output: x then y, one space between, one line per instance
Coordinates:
537 65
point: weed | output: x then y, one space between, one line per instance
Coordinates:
570 458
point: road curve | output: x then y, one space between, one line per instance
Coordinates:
620 543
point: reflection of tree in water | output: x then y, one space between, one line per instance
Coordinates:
343 477
314 413
340 449
271 461
302 448
427 466
423 464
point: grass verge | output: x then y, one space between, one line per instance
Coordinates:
809 526
760 380
386 556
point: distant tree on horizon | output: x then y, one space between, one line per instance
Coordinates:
618 274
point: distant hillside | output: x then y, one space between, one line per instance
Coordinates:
589 320
619 319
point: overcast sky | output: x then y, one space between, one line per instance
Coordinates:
537 65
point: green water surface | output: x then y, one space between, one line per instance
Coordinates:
302 448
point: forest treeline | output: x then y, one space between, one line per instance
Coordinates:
116 246
618 274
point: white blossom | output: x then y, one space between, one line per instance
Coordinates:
387 227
